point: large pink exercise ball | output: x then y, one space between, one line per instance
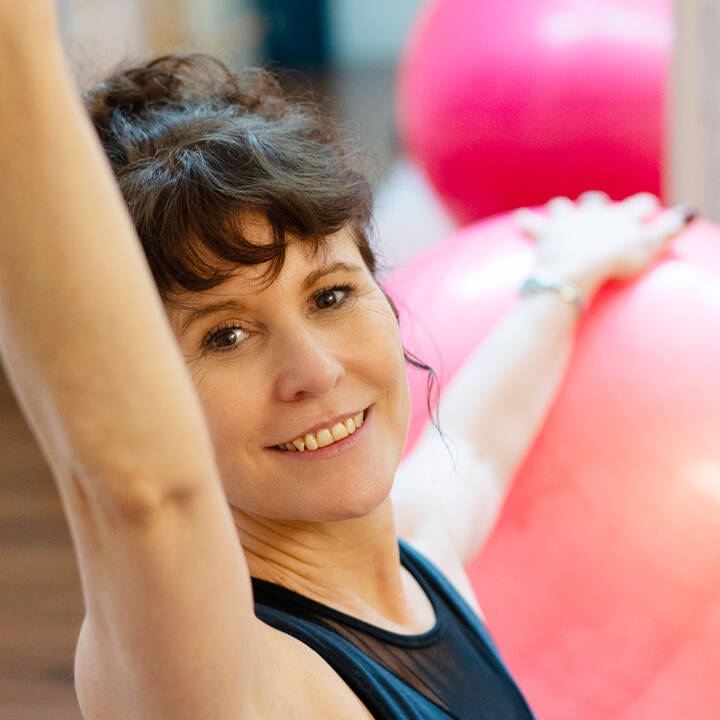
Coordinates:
601 580
506 103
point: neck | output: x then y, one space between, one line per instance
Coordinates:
351 565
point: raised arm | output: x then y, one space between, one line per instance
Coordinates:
170 630
496 404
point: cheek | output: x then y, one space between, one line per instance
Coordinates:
227 406
382 360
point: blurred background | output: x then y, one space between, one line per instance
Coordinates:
347 51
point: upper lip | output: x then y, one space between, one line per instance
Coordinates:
323 424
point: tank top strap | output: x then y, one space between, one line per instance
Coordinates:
421 566
451 671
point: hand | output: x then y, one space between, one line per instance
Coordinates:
595 240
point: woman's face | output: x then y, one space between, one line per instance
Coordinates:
294 361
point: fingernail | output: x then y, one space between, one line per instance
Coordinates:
689 214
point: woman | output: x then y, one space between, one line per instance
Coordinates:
256 391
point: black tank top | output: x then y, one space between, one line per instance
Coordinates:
452 671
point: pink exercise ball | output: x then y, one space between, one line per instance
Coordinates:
601 580
508 103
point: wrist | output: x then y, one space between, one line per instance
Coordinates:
586 280
539 282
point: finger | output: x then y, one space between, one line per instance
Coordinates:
669 223
530 221
593 198
560 207
640 205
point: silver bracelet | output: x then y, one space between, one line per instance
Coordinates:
541 281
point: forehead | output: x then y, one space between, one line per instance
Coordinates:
304 263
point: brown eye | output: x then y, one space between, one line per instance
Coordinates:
331 296
225 338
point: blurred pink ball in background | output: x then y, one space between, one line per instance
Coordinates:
601 581
506 104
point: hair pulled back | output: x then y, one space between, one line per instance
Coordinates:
194 147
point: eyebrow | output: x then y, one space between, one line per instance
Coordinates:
211 309
315 275
234 304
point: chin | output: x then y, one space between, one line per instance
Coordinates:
354 500
328 495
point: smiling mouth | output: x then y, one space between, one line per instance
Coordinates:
325 436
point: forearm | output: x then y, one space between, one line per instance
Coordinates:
82 330
497 402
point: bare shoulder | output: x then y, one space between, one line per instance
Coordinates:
295 683
304 685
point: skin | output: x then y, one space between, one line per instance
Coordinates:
139 448
280 365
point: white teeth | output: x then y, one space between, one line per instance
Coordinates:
326 436
339 431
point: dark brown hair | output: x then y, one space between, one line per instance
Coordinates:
195 146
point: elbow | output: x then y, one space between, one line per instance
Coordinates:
137 496
145 500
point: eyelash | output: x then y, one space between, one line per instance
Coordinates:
212 335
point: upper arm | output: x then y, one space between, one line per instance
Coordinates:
170 627
170 630
461 493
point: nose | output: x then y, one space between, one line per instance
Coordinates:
306 364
